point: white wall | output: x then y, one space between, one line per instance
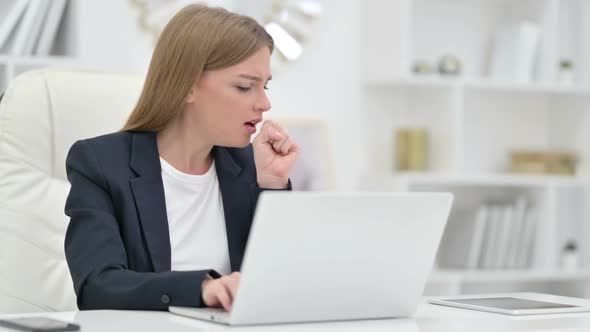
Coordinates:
324 82
108 35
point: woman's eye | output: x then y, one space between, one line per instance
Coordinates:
266 87
243 88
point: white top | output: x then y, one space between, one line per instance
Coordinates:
196 222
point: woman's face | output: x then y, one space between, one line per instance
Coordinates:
225 105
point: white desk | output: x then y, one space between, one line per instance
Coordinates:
428 318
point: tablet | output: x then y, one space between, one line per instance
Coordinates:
510 305
38 324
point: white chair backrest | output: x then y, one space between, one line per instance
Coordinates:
41 115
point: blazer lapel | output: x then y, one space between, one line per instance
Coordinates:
148 192
235 193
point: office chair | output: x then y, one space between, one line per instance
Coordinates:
42 114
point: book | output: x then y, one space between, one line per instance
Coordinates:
50 27
503 236
515 52
516 234
527 239
23 33
35 31
490 246
477 237
10 13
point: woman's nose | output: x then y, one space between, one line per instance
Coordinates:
263 103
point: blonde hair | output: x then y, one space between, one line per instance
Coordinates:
198 38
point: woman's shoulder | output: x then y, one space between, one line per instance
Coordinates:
108 155
109 143
113 146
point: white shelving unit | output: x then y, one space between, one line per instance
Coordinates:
474 123
64 53
101 36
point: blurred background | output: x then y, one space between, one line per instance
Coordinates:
487 99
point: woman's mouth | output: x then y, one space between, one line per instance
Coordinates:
250 127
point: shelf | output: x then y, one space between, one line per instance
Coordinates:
36 60
558 89
508 180
430 81
480 84
508 276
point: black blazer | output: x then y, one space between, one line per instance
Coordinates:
117 243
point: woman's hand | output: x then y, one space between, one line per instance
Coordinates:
274 154
220 292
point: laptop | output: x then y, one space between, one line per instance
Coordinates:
318 256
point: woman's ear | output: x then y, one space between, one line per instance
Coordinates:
191 95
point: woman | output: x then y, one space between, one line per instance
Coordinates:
160 212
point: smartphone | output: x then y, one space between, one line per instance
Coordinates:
38 324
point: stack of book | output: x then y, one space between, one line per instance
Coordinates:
543 162
493 236
29 27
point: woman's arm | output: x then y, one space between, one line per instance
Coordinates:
96 254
